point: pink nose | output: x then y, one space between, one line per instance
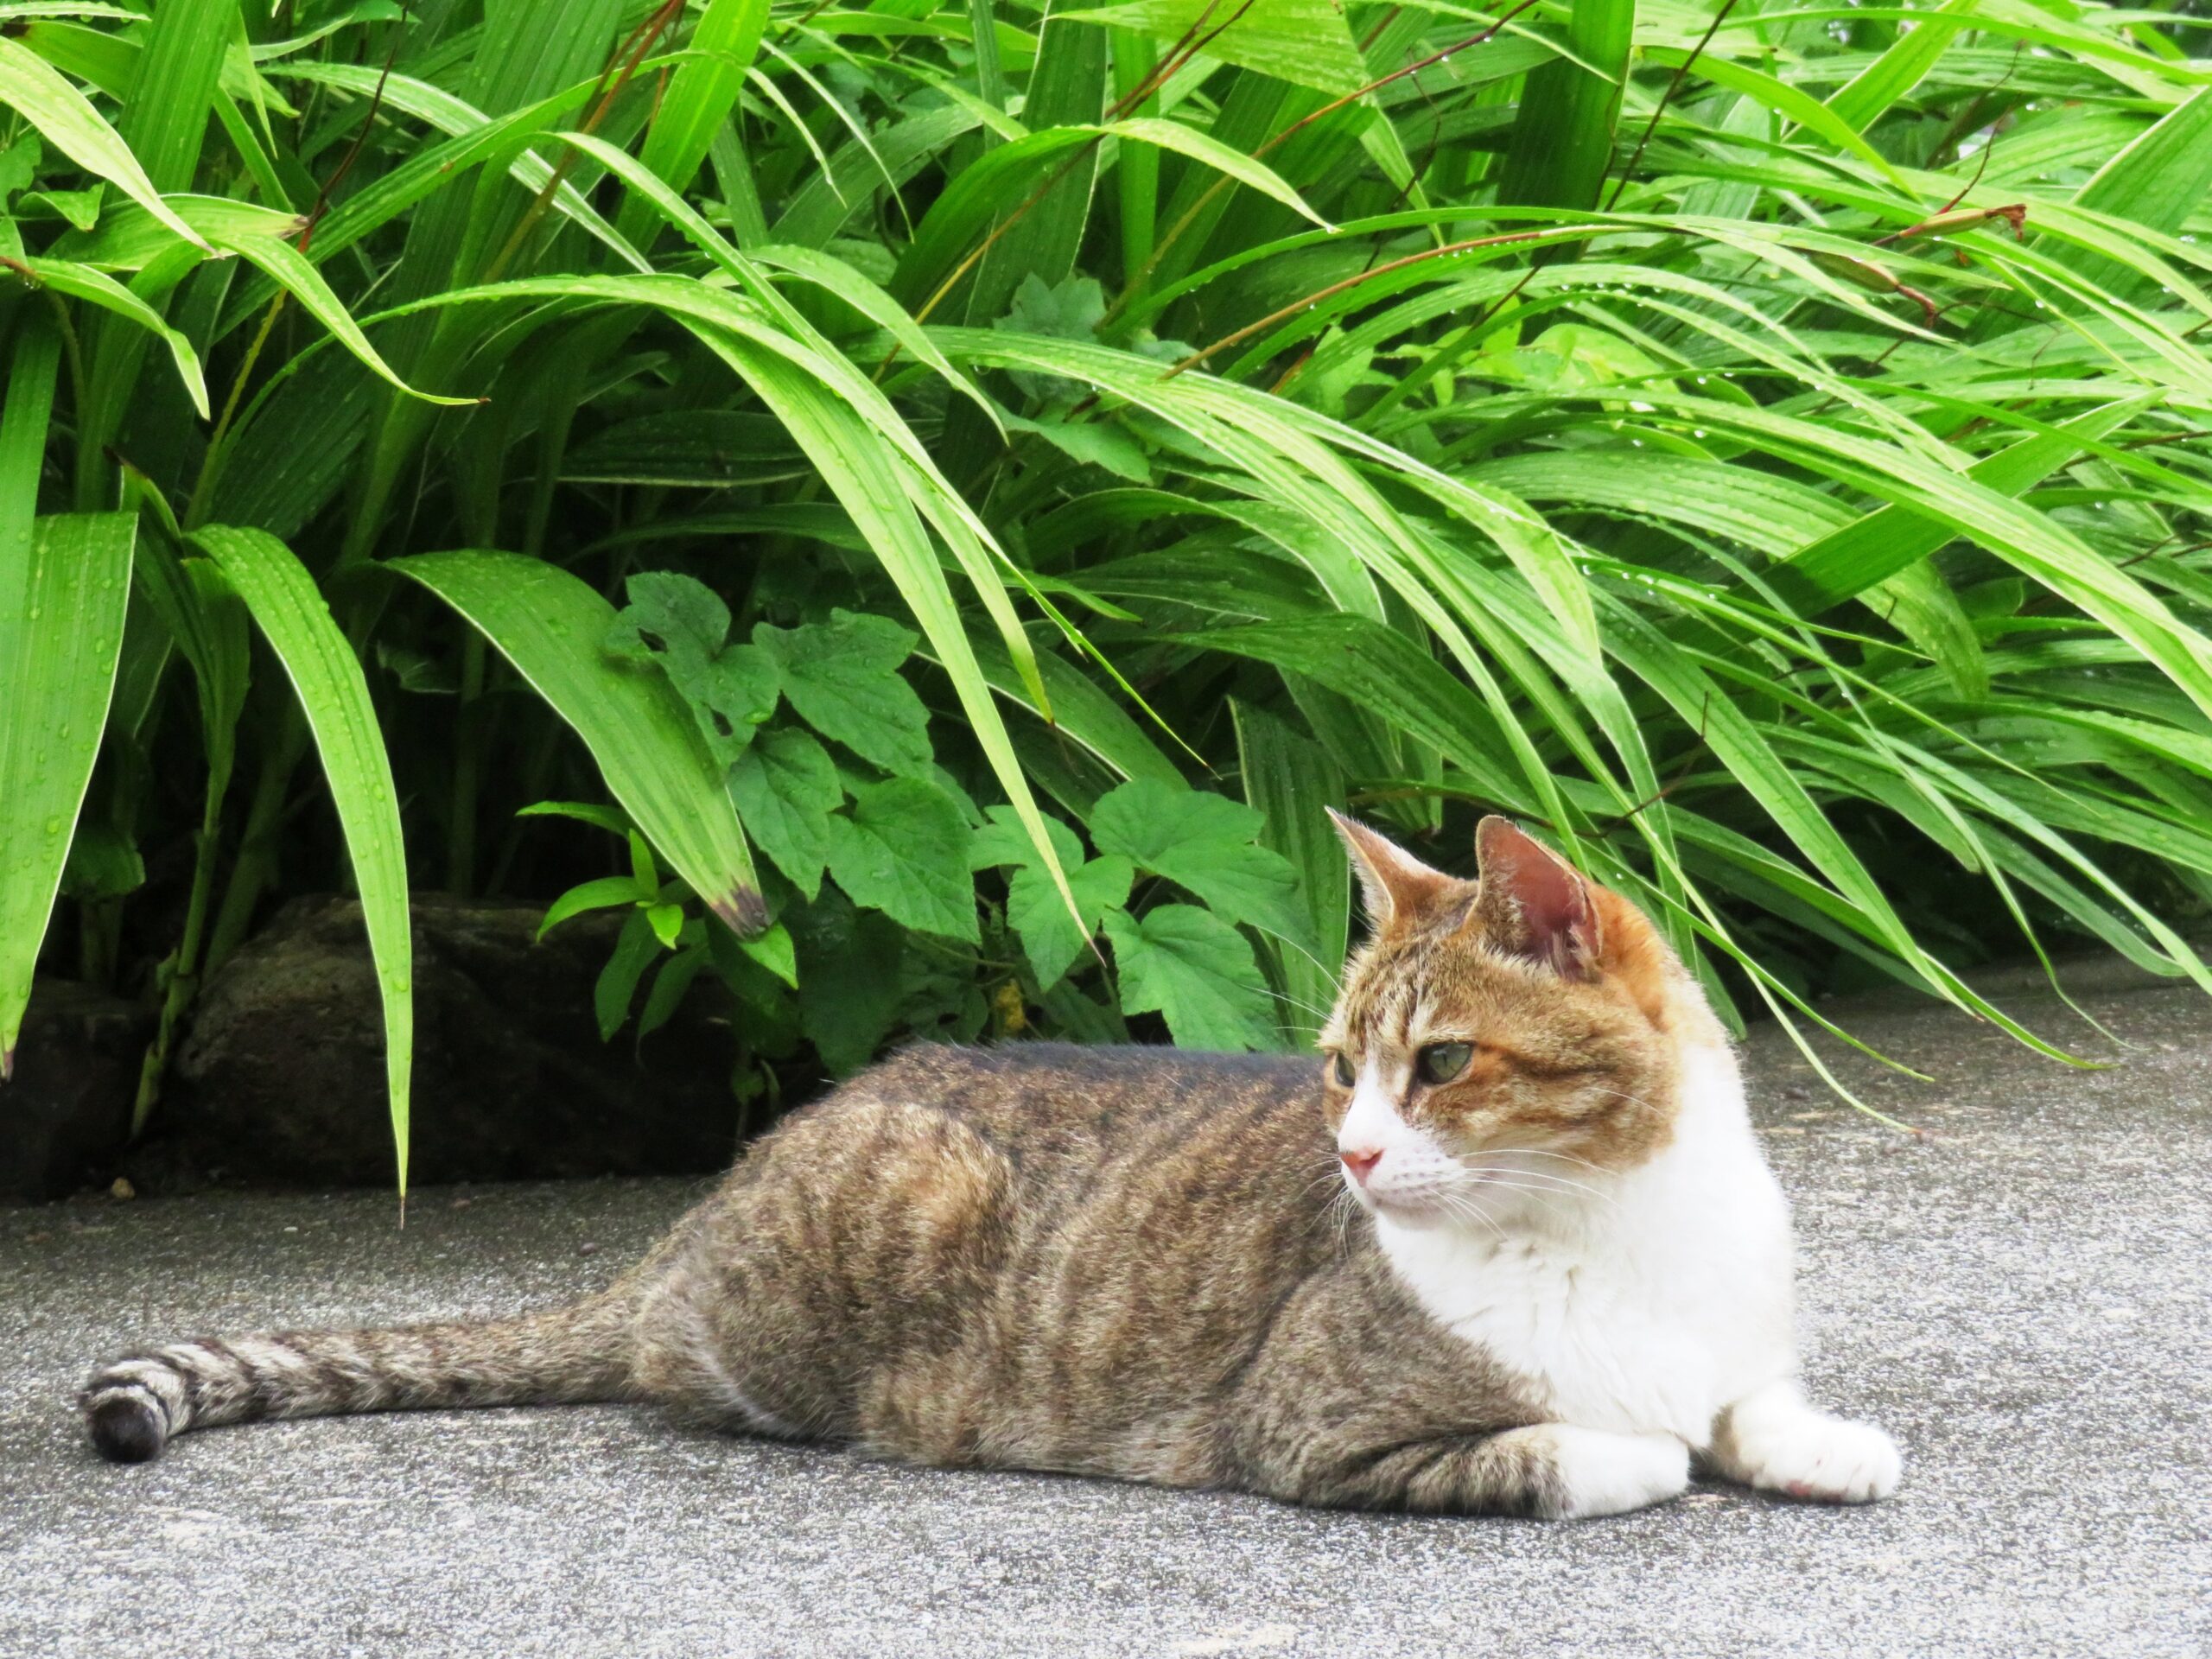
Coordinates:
1361 1163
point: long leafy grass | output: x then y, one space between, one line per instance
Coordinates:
978 480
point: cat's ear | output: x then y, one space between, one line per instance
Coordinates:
1532 903
1394 885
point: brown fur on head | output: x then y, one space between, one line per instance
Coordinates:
1569 1005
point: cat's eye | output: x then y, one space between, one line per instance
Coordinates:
1441 1062
1340 1069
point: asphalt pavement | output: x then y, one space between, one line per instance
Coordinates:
2020 1295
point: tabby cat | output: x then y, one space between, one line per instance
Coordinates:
1510 1247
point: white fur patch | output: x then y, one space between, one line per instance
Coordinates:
1645 1305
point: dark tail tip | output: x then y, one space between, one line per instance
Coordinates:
127 1427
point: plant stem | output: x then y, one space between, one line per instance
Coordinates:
460 829
180 976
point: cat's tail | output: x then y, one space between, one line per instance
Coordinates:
135 1404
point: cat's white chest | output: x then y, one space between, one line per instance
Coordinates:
1646 1312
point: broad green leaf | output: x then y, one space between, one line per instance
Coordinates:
679 624
1002 840
550 626
96 288
1197 973
786 786
26 418
61 608
904 851
699 99
960 219
842 678
635 949
851 965
1067 85
172 87
1855 557
1049 934
1207 843
333 694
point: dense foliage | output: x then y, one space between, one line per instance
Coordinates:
1031 463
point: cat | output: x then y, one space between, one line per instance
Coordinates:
1511 1246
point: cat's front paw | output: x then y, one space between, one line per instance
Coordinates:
1596 1474
1775 1441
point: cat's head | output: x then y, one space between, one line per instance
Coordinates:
1521 1031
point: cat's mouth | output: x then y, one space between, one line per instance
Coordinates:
1427 1201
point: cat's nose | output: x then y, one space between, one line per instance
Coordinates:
1360 1161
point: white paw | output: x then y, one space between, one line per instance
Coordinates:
1602 1473
1779 1444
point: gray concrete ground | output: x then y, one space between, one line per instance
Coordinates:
2022 1299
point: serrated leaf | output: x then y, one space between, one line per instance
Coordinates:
1003 840
786 786
549 624
1071 308
681 625
673 619
904 851
1206 843
850 965
842 678
1196 972
1049 934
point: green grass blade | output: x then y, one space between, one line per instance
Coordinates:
701 95
26 411
165 112
1563 135
1067 88
96 288
550 626
1303 41
63 116
1868 94
61 608
1858 555
1291 778
333 694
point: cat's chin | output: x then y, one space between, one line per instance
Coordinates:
1415 1213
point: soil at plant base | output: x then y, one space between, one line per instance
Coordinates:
280 1079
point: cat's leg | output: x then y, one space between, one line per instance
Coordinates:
1554 1471
1772 1439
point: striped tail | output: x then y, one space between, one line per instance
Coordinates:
135 1404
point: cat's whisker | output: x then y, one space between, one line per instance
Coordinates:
1637 1100
1545 1152
1309 1007
1493 1172
1464 1204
